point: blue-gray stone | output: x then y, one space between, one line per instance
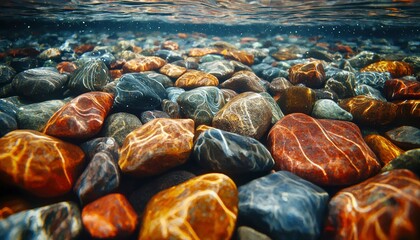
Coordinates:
340 81
35 116
57 221
259 68
231 153
275 109
6 74
201 104
169 56
102 55
148 116
92 76
210 58
25 63
8 106
283 206
374 79
7 123
328 109
101 144
222 69
138 92
363 89
163 79
271 73
119 125
174 92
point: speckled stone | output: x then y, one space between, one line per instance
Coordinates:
314 150
368 91
201 104
406 137
231 153
39 83
138 92
407 160
369 111
297 99
247 233
7 123
92 76
143 64
204 207
35 116
111 216
384 206
374 79
157 146
195 78
244 81
328 109
172 71
82 117
148 116
171 108
56 221
247 114
222 69
340 81
40 164
142 195
395 68
402 89
384 149
311 74
284 206
228 94
119 125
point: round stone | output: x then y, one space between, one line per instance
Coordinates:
310 74
222 69
328 109
244 81
119 125
92 76
195 78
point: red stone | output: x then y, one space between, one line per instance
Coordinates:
383 148
83 48
111 216
402 89
66 67
143 64
10 205
43 165
386 206
310 74
82 117
23 52
395 68
325 152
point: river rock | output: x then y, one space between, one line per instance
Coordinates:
311 74
244 81
247 233
7 123
395 68
406 137
111 216
409 112
297 99
201 104
374 79
204 207
92 76
328 109
6 74
247 114
148 116
119 125
222 69
364 58
396 89
368 91
297 143
383 148
157 146
172 71
194 78
143 64
275 109
231 153
57 221
174 92
171 108
36 115
39 83
82 117
407 160
44 165
391 198
284 206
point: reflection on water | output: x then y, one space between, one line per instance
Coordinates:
228 12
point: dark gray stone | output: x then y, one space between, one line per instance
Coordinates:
7 123
92 76
35 116
119 125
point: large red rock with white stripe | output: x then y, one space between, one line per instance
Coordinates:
325 152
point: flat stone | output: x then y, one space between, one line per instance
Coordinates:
402 89
56 221
148 116
369 111
244 81
201 104
195 78
283 206
40 164
204 207
247 233
247 114
143 64
238 55
328 109
311 74
172 71
119 125
199 52
157 146
111 216
383 148
92 76
364 58
161 78
138 92
386 205
395 68
405 137
231 153
407 160
35 116
39 83
82 117
7 123
222 69
169 56
50 53
297 99
277 85
314 150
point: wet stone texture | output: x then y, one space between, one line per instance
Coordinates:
383 148
384 206
402 89
204 207
194 78
311 74
395 68
325 152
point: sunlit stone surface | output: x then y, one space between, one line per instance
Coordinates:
37 163
384 149
395 68
402 89
143 64
204 207
195 78
311 74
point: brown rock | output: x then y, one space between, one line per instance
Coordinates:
395 68
199 52
297 99
310 74
143 64
383 148
66 67
244 81
172 71
409 112
195 78
170 45
402 89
